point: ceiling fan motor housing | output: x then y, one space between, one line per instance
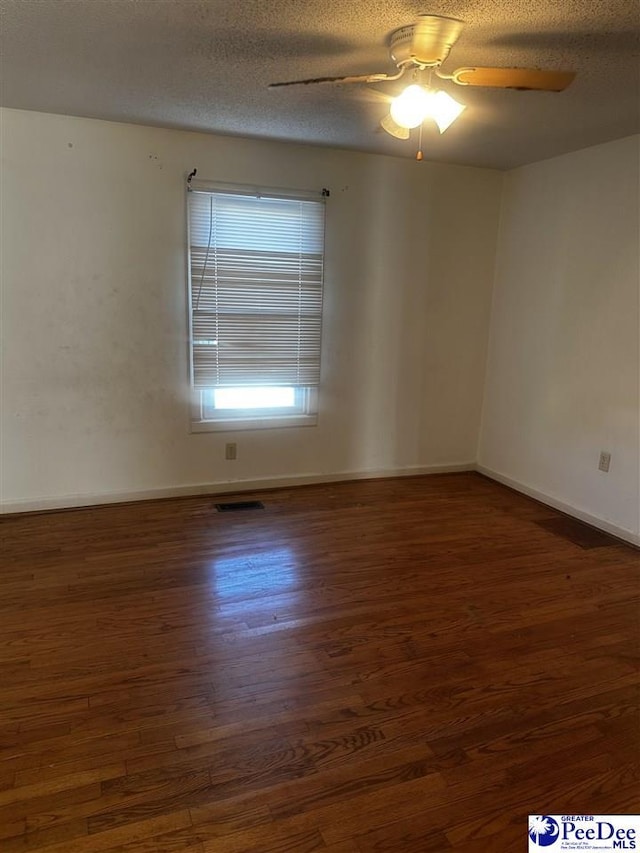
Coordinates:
400 45
426 43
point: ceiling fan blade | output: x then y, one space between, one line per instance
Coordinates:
433 38
375 95
513 78
359 78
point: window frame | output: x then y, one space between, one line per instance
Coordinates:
305 413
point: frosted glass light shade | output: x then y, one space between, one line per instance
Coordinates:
411 107
393 128
444 110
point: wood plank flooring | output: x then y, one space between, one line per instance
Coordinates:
404 665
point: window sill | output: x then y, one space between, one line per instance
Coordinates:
234 424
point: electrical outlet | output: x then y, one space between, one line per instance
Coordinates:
605 461
231 450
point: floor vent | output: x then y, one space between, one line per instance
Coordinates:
237 506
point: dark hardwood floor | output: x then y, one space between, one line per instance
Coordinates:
404 665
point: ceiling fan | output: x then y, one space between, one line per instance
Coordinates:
420 49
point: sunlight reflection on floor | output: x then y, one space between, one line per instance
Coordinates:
268 572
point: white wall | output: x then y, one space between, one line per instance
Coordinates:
94 394
563 367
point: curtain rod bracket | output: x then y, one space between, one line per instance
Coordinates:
190 177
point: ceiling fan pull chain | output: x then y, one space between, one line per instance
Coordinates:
419 154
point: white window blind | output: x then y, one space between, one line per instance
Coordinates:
256 274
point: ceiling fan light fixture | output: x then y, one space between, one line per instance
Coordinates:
393 128
444 110
416 104
411 108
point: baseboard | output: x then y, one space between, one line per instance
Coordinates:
593 520
230 486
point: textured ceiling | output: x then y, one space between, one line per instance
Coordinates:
205 65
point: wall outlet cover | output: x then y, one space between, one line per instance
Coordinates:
605 461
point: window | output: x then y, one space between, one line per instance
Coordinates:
255 276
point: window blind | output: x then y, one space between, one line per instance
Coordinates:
256 275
